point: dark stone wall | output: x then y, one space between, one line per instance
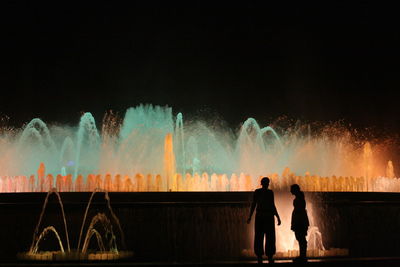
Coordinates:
180 226
368 224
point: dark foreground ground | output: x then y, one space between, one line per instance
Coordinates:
312 262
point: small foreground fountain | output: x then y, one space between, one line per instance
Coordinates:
101 229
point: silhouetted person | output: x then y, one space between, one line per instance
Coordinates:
264 225
300 221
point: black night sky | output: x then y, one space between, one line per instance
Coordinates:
313 62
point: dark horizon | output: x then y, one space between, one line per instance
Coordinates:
315 62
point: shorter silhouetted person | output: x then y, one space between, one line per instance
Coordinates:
264 225
300 221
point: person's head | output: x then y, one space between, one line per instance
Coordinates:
265 182
295 189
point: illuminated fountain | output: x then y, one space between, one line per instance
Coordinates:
151 150
101 229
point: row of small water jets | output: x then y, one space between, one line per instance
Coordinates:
100 228
196 182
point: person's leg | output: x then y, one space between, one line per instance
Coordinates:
270 239
301 238
258 239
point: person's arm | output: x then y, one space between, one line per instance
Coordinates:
252 208
275 210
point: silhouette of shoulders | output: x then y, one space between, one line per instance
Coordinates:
262 191
264 199
299 202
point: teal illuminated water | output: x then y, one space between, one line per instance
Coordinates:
135 144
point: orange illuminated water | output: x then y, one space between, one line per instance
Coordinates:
152 150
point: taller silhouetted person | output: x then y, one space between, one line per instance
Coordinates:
300 221
264 225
